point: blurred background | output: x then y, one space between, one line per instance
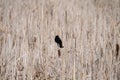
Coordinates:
89 30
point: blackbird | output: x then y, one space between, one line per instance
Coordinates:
58 41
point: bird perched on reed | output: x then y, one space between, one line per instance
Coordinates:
58 41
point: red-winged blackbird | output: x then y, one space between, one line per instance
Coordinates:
58 41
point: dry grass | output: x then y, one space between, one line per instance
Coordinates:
89 29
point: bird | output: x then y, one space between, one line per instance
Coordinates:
58 41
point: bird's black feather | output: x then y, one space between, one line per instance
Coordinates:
58 41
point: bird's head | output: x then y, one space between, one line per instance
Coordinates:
57 36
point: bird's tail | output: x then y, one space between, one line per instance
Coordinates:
61 46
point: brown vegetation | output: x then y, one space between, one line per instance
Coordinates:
89 29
